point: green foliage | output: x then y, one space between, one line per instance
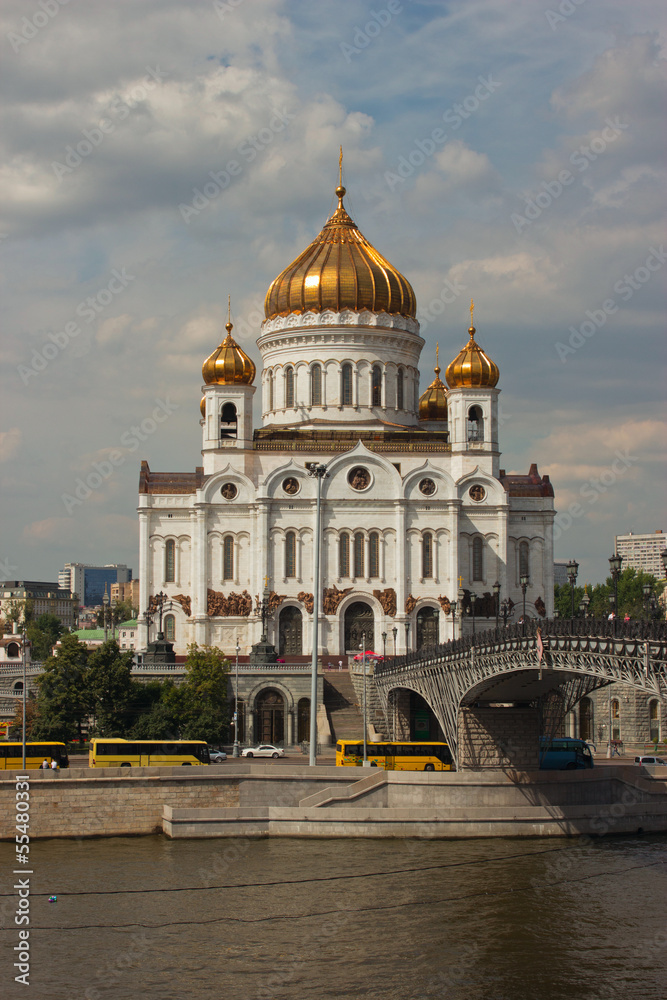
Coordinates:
44 633
159 715
205 714
630 596
63 700
109 682
122 612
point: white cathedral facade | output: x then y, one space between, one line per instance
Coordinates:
416 513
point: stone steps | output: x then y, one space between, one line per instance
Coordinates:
343 710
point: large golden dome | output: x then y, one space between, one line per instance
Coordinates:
340 270
433 402
228 363
472 367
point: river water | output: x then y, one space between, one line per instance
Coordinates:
392 920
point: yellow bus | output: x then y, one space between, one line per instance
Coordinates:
403 756
147 753
11 755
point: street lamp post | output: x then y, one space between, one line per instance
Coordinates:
583 606
114 604
647 590
394 633
105 605
525 581
506 609
452 607
235 751
23 693
473 601
363 665
572 570
407 637
496 593
384 646
615 568
320 473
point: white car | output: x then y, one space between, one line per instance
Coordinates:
263 750
650 760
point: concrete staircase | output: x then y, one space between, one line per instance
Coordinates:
343 710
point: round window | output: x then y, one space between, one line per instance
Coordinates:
427 487
229 491
291 485
477 492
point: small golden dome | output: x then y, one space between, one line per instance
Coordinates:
472 367
340 270
433 402
228 363
202 406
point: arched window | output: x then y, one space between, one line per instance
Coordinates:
524 559
586 719
289 387
654 721
346 385
478 559
170 628
427 555
13 650
18 686
376 386
615 719
359 554
374 554
475 424
344 555
270 390
400 389
228 421
228 558
290 554
316 385
170 561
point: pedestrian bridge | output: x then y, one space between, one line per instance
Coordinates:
509 685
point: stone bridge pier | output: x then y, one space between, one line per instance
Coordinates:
500 738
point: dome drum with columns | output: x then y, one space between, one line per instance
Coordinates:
414 509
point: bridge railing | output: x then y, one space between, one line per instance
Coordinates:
639 630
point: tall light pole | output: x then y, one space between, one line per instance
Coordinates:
384 646
363 664
235 751
496 592
320 473
105 605
473 601
572 570
452 607
394 633
114 602
525 581
25 685
615 569
407 637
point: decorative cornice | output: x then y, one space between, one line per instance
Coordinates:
296 321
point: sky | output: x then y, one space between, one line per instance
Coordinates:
160 155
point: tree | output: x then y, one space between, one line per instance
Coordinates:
14 614
63 701
16 728
109 683
630 596
158 710
44 633
121 612
205 711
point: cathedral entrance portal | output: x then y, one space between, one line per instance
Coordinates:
270 717
289 632
427 627
359 620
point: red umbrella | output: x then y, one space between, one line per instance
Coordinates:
370 655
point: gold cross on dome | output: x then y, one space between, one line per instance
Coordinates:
460 582
340 167
472 309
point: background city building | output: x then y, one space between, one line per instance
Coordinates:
642 552
45 598
89 582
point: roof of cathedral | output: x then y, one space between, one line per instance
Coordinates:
340 270
229 363
433 402
472 367
170 482
532 485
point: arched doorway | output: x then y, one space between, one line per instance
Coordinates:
303 720
427 627
270 717
359 620
586 719
289 632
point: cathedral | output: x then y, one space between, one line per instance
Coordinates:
422 534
